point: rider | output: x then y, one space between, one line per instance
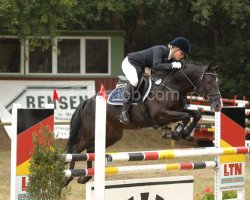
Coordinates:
158 57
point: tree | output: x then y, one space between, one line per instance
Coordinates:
227 25
218 29
35 18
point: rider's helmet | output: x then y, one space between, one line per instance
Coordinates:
182 43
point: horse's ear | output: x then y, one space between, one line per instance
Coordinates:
217 67
210 67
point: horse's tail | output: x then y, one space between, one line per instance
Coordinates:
75 128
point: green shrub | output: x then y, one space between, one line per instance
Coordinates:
46 178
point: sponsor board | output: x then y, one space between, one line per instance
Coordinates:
37 94
232 176
21 187
23 196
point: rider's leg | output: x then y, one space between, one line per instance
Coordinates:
124 116
132 76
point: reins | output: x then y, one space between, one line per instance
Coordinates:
208 97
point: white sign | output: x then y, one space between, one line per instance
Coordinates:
164 188
21 187
36 94
232 176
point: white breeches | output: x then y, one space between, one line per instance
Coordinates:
130 72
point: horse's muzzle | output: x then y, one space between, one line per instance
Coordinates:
217 105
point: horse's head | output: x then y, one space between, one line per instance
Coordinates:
209 87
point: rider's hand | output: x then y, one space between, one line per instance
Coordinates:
176 65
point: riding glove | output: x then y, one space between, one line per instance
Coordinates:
176 65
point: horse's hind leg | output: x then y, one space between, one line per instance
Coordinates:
112 136
72 164
85 179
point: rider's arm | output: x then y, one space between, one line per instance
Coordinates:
157 60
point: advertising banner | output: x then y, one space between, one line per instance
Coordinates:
37 94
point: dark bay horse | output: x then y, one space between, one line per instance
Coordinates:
164 105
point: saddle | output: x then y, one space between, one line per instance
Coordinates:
140 92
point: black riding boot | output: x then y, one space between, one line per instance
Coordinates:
124 116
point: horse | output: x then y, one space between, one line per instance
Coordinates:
164 104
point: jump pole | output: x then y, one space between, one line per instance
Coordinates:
13 184
159 154
100 145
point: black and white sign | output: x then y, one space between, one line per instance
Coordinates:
164 188
37 94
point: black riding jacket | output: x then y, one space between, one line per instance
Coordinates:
155 58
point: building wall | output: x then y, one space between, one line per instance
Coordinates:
117 46
116 55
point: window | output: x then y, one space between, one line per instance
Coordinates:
71 55
97 56
10 49
68 56
40 60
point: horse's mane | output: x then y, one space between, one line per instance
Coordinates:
185 66
189 61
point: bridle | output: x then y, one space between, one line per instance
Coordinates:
199 87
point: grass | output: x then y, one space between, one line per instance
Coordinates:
148 140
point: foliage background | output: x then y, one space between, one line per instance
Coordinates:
218 29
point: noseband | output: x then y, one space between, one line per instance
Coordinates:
208 97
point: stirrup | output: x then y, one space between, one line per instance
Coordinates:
124 118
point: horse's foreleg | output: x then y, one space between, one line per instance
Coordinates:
174 116
196 117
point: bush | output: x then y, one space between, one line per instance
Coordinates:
46 178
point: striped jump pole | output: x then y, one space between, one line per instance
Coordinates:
206 108
160 154
143 168
178 153
233 102
79 157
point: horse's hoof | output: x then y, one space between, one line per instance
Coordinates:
83 179
166 134
67 181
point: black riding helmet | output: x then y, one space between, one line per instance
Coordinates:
181 43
